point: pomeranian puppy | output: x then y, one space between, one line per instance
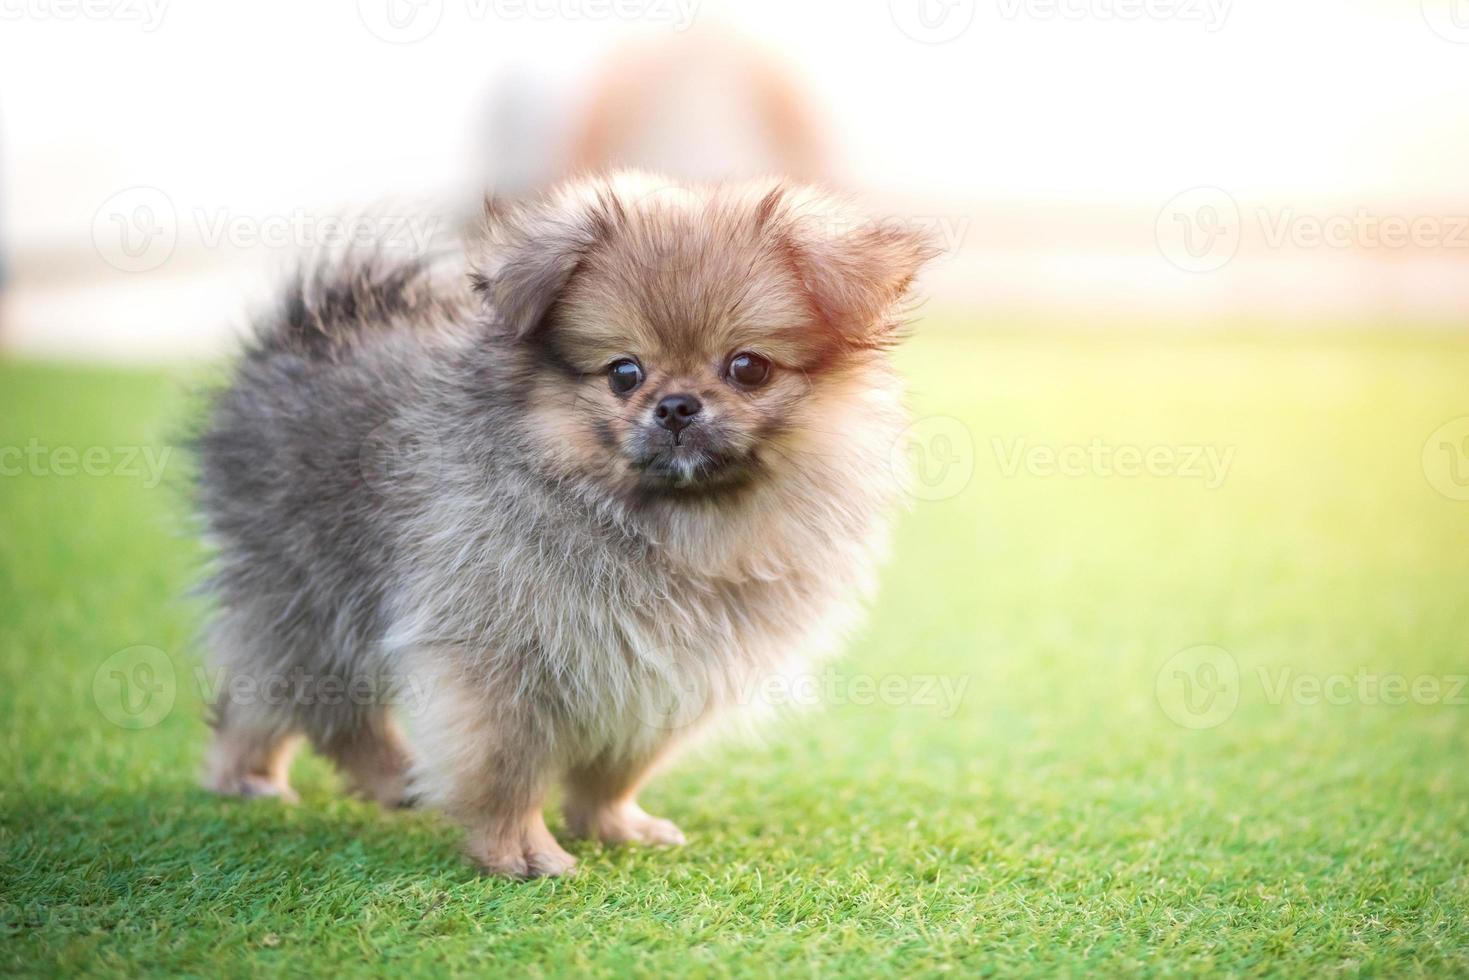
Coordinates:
632 463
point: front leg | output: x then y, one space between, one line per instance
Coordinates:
601 802
487 764
516 844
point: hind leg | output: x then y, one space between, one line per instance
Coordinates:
372 757
601 802
251 754
256 727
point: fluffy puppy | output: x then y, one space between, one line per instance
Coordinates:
558 512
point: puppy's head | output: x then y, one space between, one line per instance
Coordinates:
676 343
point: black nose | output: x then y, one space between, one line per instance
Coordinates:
675 412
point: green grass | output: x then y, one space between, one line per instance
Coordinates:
1058 820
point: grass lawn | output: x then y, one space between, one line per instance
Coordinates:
1212 715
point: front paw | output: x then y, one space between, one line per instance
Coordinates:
252 786
522 854
621 824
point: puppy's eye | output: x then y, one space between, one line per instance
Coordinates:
624 375
748 370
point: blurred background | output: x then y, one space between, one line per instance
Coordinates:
1083 162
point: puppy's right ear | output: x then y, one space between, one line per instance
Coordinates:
526 253
856 270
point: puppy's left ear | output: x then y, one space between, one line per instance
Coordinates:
857 270
528 252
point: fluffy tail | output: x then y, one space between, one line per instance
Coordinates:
332 304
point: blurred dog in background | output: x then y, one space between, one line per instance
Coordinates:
703 107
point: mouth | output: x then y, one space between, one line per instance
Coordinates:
685 469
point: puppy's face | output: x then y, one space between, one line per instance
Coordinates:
686 360
689 344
